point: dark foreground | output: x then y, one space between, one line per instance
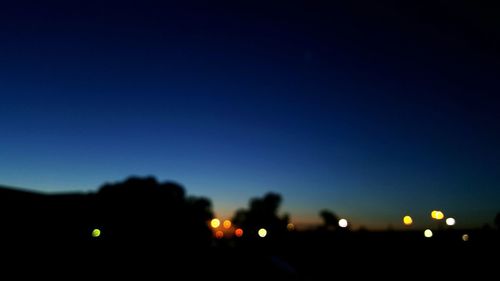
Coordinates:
300 256
153 231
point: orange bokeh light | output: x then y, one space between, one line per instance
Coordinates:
226 224
219 234
238 232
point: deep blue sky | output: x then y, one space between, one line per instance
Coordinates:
370 110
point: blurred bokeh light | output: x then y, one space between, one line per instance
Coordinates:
215 223
343 223
407 220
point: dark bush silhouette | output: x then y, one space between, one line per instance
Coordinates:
263 213
145 211
138 212
330 219
140 226
497 221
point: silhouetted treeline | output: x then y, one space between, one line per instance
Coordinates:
138 227
137 212
263 214
142 226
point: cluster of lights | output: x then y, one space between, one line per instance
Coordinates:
435 215
238 232
226 224
262 232
216 224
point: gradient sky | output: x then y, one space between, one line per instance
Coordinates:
370 110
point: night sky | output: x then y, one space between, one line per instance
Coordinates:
372 109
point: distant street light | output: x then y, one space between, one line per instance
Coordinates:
407 220
465 237
437 215
238 232
215 223
450 221
343 223
226 224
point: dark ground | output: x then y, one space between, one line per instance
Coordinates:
301 256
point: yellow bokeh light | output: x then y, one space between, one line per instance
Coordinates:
407 220
439 215
290 227
465 237
434 214
343 223
219 234
215 223
96 232
238 232
262 232
450 221
428 233
226 224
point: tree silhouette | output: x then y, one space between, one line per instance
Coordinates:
497 221
138 213
330 219
142 209
263 213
